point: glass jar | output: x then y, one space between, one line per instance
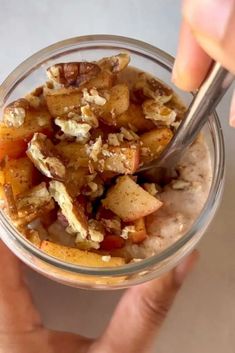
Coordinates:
30 74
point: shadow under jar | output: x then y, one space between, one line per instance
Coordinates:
30 74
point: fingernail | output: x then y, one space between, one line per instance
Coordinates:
232 112
210 17
185 267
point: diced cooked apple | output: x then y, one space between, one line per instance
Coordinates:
103 80
13 140
154 142
117 104
134 117
60 101
130 201
20 174
75 180
73 153
112 242
122 159
79 257
140 233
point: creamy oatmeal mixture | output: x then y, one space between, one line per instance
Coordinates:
69 154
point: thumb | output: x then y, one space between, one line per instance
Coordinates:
213 25
17 311
142 311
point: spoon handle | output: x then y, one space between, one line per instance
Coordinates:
205 101
208 96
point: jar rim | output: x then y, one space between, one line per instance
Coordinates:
115 42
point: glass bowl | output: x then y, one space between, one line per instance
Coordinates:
30 74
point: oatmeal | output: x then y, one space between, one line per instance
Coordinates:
69 155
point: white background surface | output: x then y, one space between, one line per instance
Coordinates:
203 317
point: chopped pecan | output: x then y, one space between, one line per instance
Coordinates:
35 98
115 63
92 96
147 87
33 204
70 209
45 157
96 231
73 74
15 113
158 112
74 128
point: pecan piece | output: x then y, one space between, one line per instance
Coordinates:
148 87
15 113
44 156
71 210
74 73
115 63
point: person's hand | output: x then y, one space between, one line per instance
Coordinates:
132 328
207 32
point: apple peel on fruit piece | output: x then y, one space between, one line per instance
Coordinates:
80 257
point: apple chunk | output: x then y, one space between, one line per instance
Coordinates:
130 201
140 233
13 140
117 104
59 101
154 142
20 174
79 257
134 117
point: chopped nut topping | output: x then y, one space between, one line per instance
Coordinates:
126 230
15 113
43 154
118 138
74 128
74 215
92 96
112 225
115 63
106 258
158 113
151 188
95 230
147 87
93 190
88 116
180 184
74 73
128 134
113 140
35 97
95 149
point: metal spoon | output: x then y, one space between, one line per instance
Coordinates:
205 101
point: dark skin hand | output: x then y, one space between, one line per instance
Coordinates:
142 309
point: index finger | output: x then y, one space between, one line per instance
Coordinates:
192 63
